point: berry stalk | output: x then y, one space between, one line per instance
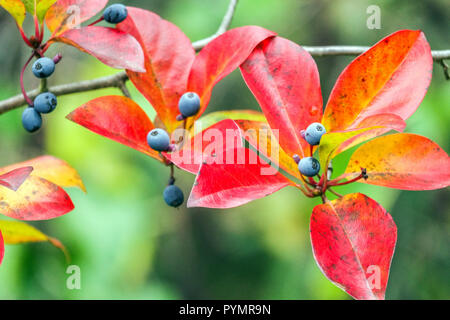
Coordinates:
22 86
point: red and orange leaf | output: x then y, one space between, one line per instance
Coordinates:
216 138
168 58
113 47
402 161
15 178
69 14
2 248
353 240
36 199
52 169
227 184
16 9
117 118
391 77
222 56
284 79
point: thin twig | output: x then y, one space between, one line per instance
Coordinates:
226 21
117 80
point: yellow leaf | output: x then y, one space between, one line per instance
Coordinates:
52 169
15 8
16 232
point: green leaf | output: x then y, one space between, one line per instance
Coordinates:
40 7
330 142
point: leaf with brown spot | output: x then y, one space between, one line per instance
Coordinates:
391 77
402 161
36 199
353 240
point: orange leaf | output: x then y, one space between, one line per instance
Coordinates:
402 161
69 14
391 77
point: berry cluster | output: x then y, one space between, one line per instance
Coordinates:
158 139
310 166
45 102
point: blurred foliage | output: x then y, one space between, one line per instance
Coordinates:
130 245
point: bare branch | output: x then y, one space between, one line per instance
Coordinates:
322 51
197 45
119 80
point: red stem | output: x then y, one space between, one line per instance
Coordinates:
24 37
96 21
336 184
36 28
42 33
22 87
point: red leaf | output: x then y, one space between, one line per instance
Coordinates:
220 57
284 79
222 185
201 146
118 118
69 14
114 48
2 248
353 240
402 161
36 199
168 58
14 179
391 77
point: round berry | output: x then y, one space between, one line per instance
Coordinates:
43 67
115 13
31 119
173 196
309 166
45 102
189 104
314 133
158 139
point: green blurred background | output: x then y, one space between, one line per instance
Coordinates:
130 245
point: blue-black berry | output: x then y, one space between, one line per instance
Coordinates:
173 196
115 13
314 133
309 166
43 67
31 119
159 140
45 102
189 104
